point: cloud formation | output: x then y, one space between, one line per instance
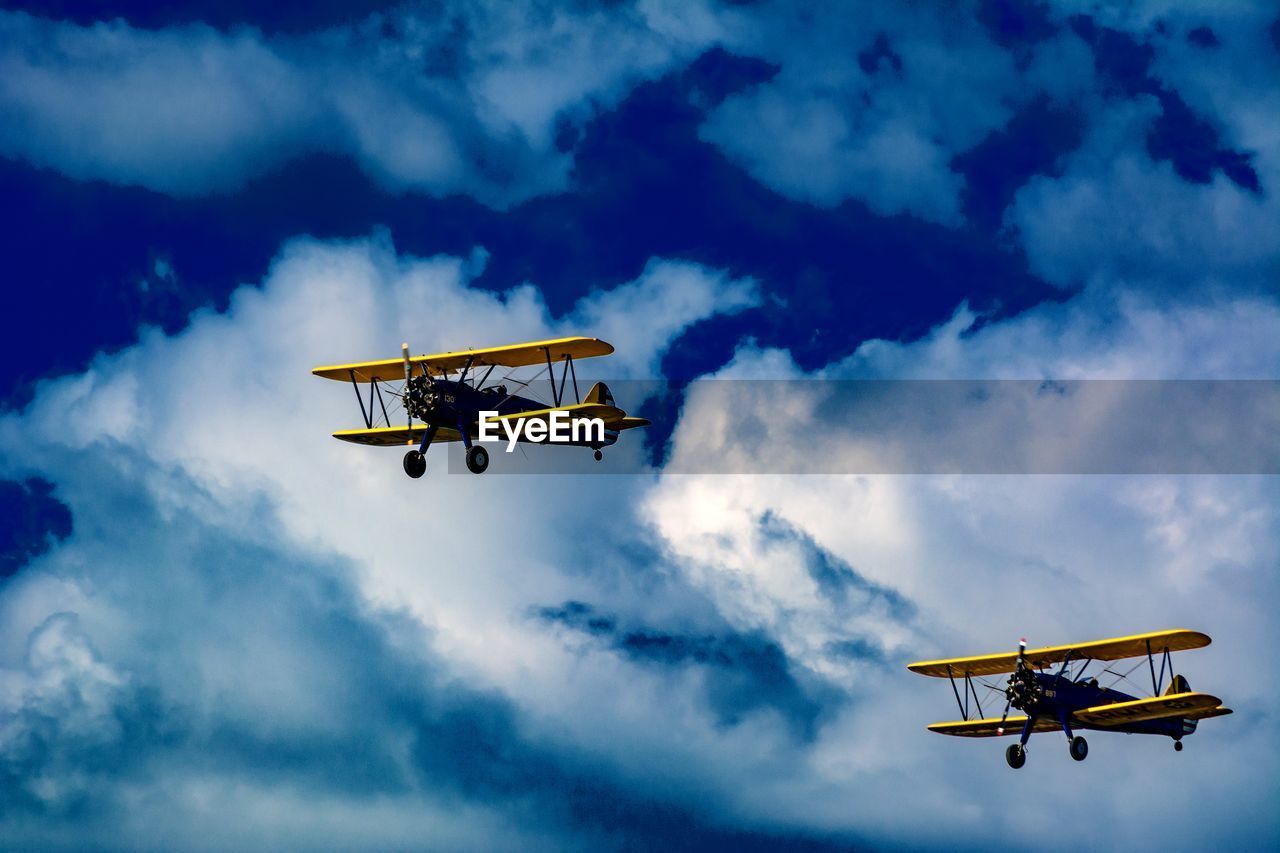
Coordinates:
463 98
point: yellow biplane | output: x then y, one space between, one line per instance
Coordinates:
442 398
1053 690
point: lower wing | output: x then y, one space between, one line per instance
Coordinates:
1189 705
396 436
991 727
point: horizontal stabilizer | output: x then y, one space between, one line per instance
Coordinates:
1191 705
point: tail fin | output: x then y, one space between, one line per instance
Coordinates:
599 393
1179 684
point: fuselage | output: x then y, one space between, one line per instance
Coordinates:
456 405
1060 697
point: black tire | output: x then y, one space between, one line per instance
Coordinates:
1015 755
1079 748
477 459
1177 745
415 464
599 455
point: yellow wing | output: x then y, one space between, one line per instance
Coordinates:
991 727
1192 705
511 355
396 436
1116 648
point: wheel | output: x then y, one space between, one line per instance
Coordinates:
415 464
599 455
1015 755
477 459
1079 748
1177 746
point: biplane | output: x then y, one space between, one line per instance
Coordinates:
1054 690
441 397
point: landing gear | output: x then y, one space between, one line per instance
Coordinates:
1177 746
1016 755
477 459
599 455
415 464
1079 748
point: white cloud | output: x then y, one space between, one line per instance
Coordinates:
825 129
212 512
462 98
989 559
206 493
1113 213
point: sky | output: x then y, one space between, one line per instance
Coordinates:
221 629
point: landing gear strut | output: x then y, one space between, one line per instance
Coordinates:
415 464
1016 755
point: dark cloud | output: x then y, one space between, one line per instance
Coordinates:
879 54
276 676
837 579
1033 143
286 16
1190 142
1203 37
645 185
745 672
31 519
1017 23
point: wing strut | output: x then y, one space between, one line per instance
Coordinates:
963 706
551 376
1155 685
374 386
368 418
564 374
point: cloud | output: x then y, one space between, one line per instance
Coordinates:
742 672
984 560
235 630
1173 182
33 519
455 99
1116 214
865 106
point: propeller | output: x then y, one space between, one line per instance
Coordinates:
1022 650
408 374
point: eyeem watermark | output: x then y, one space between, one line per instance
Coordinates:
559 428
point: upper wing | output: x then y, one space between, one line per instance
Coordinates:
512 355
991 727
1116 648
1174 705
396 436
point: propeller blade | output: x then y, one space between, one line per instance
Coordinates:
1022 652
408 372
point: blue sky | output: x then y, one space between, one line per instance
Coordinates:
219 627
